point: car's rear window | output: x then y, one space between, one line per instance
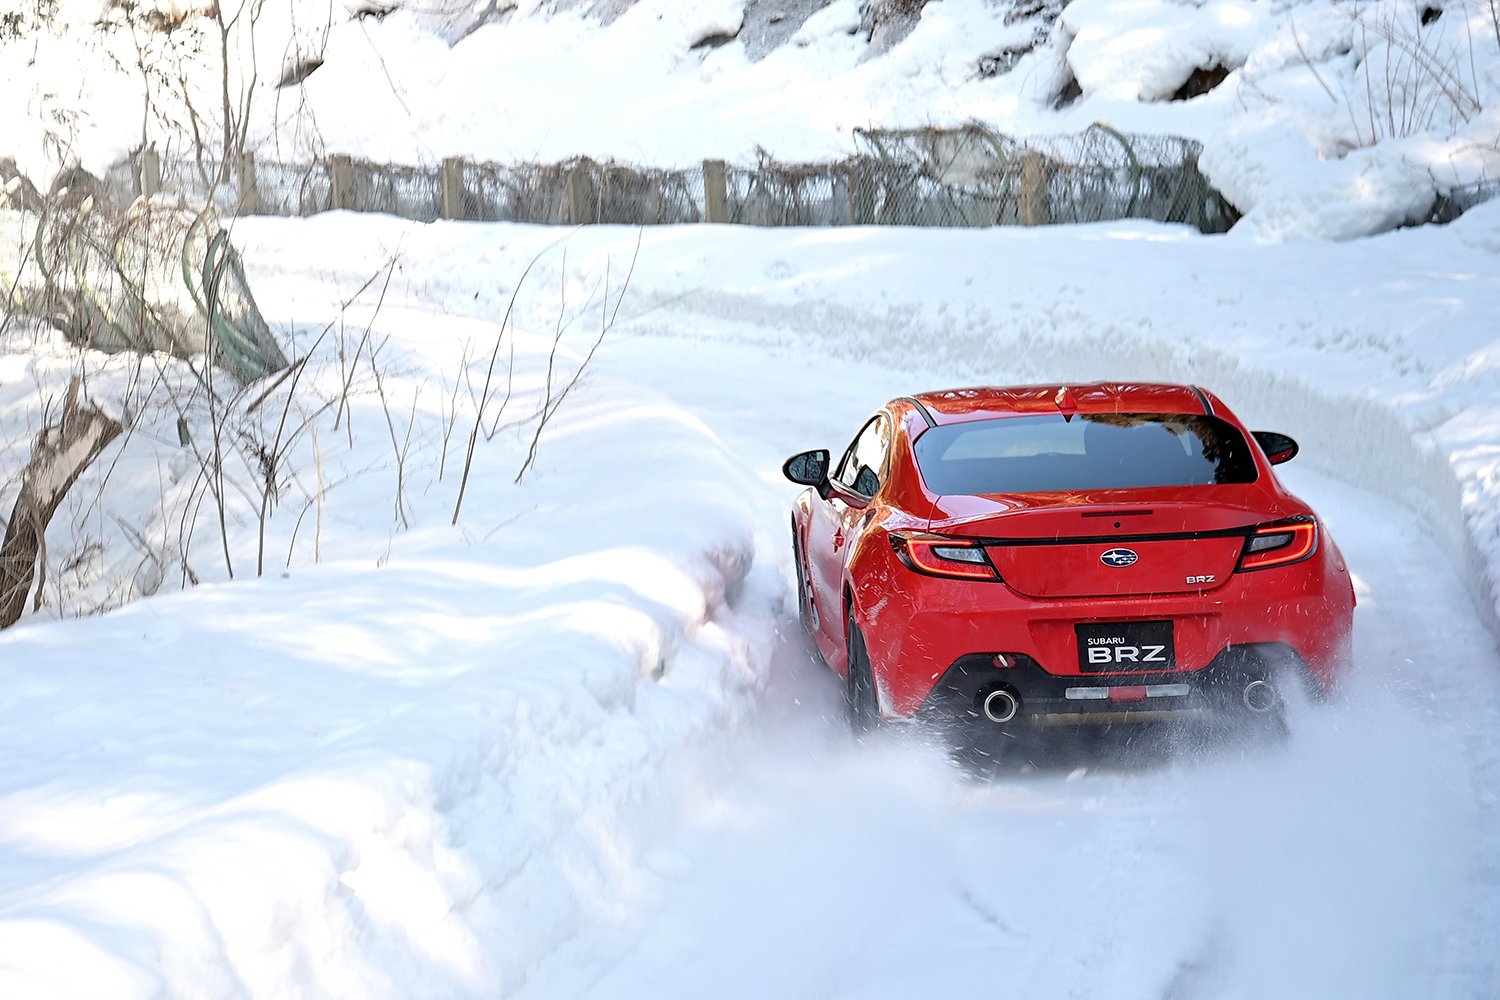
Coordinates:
1047 453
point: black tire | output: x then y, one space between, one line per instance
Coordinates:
799 567
863 702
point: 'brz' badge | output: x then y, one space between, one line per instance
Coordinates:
1119 558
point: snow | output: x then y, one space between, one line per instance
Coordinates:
867 871
413 760
1144 50
535 753
341 740
1338 120
1336 337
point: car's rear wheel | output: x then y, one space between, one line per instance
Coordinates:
799 561
864 703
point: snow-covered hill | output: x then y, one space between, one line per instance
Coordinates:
1321 118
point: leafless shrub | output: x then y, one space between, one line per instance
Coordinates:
482 402
553 398
25 19
161 44
1412 77
269 451
236 464
555 390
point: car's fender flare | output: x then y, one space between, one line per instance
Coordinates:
851 609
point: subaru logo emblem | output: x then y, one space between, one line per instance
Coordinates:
1119 558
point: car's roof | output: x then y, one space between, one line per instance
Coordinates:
958 405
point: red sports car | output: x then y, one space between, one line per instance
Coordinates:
1043 556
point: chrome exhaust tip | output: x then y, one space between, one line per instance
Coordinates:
1001 706
1260 697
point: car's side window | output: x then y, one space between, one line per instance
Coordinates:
864 462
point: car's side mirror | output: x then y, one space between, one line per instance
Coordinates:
1278 447
809 468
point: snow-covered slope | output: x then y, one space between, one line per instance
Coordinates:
1323 118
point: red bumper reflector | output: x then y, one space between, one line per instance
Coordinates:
1128 693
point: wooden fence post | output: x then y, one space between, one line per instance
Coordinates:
715 191
247 201
578 195
150 172
341 183
1034 207
454 202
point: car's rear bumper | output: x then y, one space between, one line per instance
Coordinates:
1241 682
918 629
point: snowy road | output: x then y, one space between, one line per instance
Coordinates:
1357 862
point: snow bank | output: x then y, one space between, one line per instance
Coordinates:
410 752
1369 190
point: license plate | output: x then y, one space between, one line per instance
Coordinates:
1110 647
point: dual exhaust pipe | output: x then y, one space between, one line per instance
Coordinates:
1002 705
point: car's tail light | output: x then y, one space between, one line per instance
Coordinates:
1279 544
937 555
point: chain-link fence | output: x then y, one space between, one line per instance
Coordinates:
969 176
975 177
581 191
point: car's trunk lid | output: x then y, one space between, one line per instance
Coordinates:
1095 545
